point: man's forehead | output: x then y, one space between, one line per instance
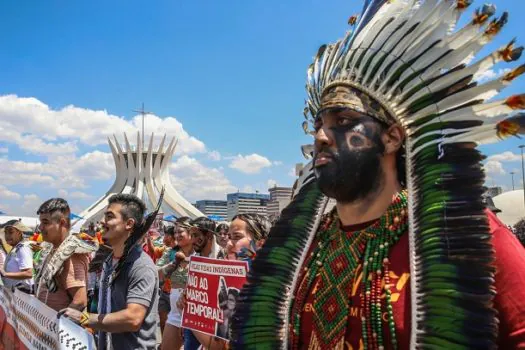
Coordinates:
113 208
45 216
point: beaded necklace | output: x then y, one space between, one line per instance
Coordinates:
333 263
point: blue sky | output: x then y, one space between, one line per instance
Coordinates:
226 77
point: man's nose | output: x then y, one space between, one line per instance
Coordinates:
322 138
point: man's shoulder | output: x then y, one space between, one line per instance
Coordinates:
79 258
142 261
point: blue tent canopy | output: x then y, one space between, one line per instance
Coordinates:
75 216
170 218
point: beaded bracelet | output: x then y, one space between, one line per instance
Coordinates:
84 318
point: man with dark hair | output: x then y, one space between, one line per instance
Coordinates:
128 298
62 279
204 242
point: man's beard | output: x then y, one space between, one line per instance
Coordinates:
351 174
199 247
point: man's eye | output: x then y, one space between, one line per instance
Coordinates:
343 121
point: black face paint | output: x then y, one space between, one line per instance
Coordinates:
354 171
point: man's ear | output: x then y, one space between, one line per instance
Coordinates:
393 138
130 223
63 222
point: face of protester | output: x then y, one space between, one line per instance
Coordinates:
222 238
240 237
231 302
200 239
183 238
348 153
13 236
115 227
53 228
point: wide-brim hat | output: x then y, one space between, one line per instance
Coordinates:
19 226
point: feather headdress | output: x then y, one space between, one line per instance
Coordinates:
408 63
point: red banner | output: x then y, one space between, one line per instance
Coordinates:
211 294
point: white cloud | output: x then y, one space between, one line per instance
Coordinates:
195 181
61 171
214 155
37 128
73 195
250 164
80 195
507 156
248 189
494 167
34 144
5 193
292 172
30 205
4 150
271 183
27 180
490 74
95 165
277 162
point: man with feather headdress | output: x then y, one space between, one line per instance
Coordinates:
408 257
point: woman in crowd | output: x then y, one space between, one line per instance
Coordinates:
177 272
17 271
223 236
247 233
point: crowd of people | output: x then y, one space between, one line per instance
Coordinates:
119 279
408 257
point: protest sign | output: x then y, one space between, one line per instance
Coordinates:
27 323
211 294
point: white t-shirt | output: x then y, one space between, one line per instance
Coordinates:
2 257
20 258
